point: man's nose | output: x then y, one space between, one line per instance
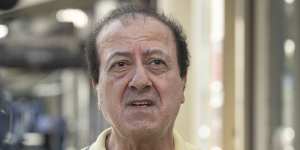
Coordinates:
140 79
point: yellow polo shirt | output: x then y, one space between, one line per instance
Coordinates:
180 144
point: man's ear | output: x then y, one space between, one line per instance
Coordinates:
99 101
94 84
95 87
184 82
99 104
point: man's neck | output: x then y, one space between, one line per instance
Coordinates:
115 142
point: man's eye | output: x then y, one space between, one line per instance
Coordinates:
157 62
119 66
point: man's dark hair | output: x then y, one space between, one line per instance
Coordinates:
93 61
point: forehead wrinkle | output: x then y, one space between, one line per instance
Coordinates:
155 51
113 31
111 41
118 54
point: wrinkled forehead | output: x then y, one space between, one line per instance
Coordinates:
138 24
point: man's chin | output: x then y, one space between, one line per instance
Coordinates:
143 129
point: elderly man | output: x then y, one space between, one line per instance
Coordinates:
138 61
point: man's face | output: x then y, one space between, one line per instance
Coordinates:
139 89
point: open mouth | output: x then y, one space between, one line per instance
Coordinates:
141 103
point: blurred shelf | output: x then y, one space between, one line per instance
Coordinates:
45 8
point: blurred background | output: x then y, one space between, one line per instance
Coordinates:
242 87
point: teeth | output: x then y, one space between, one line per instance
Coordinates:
141 103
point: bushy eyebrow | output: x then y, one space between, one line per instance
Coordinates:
146 53
118 54
150 52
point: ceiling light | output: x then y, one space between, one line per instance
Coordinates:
204 132
289 47
102 8
76 16
3 31
289 1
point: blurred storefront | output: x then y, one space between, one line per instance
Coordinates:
242 88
